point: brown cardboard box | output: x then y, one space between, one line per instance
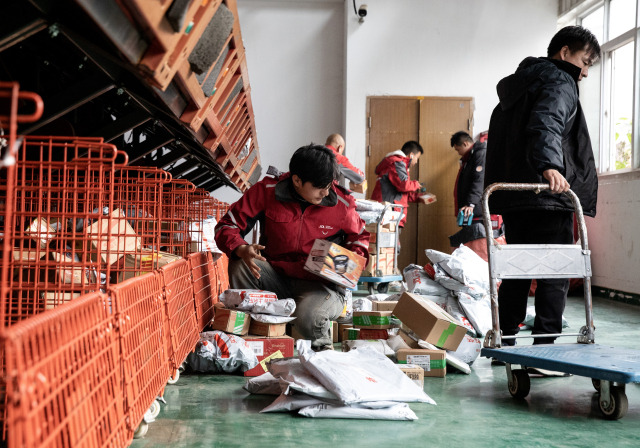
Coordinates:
414 372
231 321
123 238
372 319
267 349
411 342
142 262
350 334
433 362
57 298
66 271
358 188
335 263
271 330
382 305
334 332
41 232
429 322
341 329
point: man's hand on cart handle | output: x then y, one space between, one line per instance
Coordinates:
247 252
557 182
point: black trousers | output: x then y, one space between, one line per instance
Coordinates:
537 227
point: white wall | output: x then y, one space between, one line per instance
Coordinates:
439 48
614 233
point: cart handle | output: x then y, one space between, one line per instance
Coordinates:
537 188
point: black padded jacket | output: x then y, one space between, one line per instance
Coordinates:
538 125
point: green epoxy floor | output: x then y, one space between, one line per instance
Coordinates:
473 410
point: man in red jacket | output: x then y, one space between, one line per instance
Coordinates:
393 183
293 211
335 143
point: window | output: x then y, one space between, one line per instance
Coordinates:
609 95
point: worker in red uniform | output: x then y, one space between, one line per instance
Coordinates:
393 183
335 143
294 210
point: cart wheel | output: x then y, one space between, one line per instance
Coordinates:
141 430
174 379
519 383
383 288
371 287
618 405
154 410
596 384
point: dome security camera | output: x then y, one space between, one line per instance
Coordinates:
362 12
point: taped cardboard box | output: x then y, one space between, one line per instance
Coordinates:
358 188
231 321
382 305
122 239
143 262
372 333
334 332
414 372
267 349
263 329
433 362
341 328
429 322
372 319
335 263
350 334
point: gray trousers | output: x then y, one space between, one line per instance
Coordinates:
317 304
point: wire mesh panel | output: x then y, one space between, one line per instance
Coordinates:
175 209
61 193
140 316
205 287
64 385
138 195
180 311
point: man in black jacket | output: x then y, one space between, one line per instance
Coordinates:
538 134
468 195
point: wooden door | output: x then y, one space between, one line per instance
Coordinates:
392 122
431 121
440 118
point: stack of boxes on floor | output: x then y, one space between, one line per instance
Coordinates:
381 262
267 340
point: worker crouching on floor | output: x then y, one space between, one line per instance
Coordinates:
294 210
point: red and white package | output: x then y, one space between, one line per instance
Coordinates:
245 299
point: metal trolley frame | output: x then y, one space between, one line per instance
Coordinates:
385 240
585 358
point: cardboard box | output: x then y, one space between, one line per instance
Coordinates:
341 329
231 321
433 362
66 272
123 238
429 322
414 372
269 330
42 232
267 349
382 305
57 298
358 188
372 319
335 263
334 332
410 341
350 334
380 265
143 262
372 333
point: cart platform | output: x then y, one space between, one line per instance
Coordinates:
595 361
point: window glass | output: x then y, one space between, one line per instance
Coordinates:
621 107
622 17
590 100
594 22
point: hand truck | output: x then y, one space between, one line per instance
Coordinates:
609 368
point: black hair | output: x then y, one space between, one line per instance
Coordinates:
412 147
576 38
459 138
314 163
